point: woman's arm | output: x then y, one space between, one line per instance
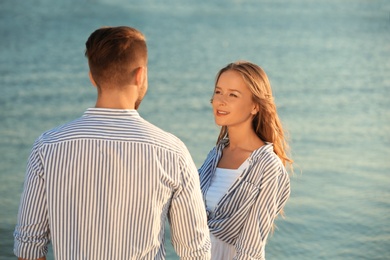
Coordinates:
273 195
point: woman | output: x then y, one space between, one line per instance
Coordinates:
243 179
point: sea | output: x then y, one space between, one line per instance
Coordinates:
329 66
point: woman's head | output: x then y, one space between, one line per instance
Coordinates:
233 103
257 82
265 122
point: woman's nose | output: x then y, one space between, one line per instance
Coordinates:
219 100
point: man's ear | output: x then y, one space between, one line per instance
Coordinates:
140 76
91 79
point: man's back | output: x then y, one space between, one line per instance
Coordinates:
109 181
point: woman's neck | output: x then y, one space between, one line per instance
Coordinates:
244 139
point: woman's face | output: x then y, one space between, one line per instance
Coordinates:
232 103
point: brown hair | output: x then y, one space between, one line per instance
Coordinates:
114 53
266 122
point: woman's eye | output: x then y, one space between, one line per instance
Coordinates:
217 92
233 95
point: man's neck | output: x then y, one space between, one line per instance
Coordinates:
124 99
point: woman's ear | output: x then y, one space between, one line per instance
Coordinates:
91 79
255 109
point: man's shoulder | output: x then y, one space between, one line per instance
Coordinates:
58 131
162 138
135 131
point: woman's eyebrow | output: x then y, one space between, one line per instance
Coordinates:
229 89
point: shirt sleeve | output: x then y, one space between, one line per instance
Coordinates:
273 195
31 234
189 232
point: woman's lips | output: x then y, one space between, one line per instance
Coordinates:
222 113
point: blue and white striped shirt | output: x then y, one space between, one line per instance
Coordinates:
103 186
244 216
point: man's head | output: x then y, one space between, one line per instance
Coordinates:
115 56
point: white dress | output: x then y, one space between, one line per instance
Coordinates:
221 182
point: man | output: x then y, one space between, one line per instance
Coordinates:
103 185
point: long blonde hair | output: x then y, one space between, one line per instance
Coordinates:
266 122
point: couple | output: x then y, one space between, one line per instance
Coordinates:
103 185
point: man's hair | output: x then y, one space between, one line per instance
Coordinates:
114 53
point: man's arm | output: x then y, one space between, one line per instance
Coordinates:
31 231
189 231
42 258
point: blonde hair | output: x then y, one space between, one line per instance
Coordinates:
266 122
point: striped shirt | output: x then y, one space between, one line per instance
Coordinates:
103 186
220 183
243 217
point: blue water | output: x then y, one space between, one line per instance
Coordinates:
329 65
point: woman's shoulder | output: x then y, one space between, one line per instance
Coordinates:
267 162
265 152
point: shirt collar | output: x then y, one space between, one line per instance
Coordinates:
109 112
267 147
